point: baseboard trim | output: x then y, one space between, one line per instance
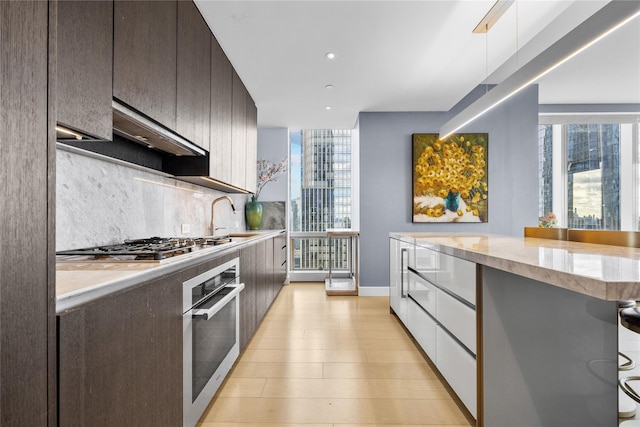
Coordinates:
373 291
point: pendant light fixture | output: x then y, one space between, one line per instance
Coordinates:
611 17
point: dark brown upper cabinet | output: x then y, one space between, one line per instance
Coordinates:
194 75
84 66
144 57
221 105
239 133
252 145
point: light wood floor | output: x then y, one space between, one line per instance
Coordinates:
327 362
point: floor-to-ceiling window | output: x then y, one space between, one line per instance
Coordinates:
599 181
321 197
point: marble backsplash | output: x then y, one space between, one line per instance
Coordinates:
100 202
274 216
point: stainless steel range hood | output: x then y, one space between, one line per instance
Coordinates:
133 126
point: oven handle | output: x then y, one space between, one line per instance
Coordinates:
207 314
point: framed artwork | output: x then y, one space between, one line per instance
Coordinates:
450 182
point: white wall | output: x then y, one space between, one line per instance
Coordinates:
385 175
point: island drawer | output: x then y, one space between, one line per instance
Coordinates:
426 263
423 328
457 276
458 318
423 293
458 367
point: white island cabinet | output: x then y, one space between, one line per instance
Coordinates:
439 312
421 321
398 261
524 330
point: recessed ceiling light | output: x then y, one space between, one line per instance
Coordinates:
328 87
327 108
330 55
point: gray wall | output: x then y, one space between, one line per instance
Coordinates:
385 175
273 145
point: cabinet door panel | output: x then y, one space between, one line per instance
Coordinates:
398 278
85 71
193 75
144 55
252 145
221 106
279 263
248 308
265 276
115 351
457 275
423 328
239 133
458 368
281 247
458 318
426 262
424 293
27 272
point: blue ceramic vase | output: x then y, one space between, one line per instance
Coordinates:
452 201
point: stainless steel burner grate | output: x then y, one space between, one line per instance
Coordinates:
152 248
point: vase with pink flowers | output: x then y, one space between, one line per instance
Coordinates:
548 221
267 172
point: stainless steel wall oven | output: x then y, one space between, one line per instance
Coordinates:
211 335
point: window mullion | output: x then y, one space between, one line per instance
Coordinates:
628 179
559 167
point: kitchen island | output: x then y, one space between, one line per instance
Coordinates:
544 313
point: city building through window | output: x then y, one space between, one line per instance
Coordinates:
585 178
321 197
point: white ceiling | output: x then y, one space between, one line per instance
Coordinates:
406 55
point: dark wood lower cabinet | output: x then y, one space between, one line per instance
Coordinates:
262 285
264 296
120 359
248 276
279 260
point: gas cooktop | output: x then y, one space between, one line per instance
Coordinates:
152 248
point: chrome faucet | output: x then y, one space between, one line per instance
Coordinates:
213 230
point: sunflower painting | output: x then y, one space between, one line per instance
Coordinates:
450 182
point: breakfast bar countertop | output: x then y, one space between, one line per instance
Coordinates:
602 271
78 282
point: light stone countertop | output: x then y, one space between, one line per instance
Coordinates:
83 281
601 271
